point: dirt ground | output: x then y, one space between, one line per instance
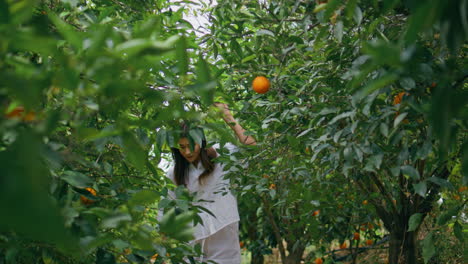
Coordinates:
377 255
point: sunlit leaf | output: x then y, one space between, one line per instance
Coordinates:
428 248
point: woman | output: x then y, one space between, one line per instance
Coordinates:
195 168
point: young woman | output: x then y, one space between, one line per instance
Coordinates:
195 168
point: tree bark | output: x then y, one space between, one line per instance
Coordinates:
403 248
294 256
257 258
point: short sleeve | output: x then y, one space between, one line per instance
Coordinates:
231 148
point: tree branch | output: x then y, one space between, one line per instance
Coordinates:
275 227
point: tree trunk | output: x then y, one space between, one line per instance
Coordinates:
257 258
403 249
294 256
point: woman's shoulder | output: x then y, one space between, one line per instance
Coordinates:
170 173
229 147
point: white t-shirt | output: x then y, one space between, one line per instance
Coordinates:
214 194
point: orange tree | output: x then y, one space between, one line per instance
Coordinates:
335 69
85 86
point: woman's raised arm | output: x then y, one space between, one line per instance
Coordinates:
235 126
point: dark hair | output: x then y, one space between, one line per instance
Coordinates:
182 165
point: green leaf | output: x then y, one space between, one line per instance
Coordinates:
249 58
411 172
161 138
177 226
134 151
384 129
263 32
375 85
357 15
67 31
77 179
399 118
448 215
104 257
339 31
23 194
21 11
202 70
441 182
143 197
458 231
139 47
4 12
407 83
420 188
428 248
182 56
197 135
414 222
115 220
341 116
320 7
424 150
237 48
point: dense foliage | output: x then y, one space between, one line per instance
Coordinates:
364 125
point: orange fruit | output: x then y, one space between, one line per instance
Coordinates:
365 202
272 186
16 112
30 116
316 213
85 200
399 97
241 244
356 236
369 242
153 258
318 261
343 246
261 84
433 84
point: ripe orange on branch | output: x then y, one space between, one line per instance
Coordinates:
318 261
85 200
399 97
356 236
316 213
17 112
261 84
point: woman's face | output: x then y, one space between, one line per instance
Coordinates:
187 153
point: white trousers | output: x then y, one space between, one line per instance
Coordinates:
223 246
